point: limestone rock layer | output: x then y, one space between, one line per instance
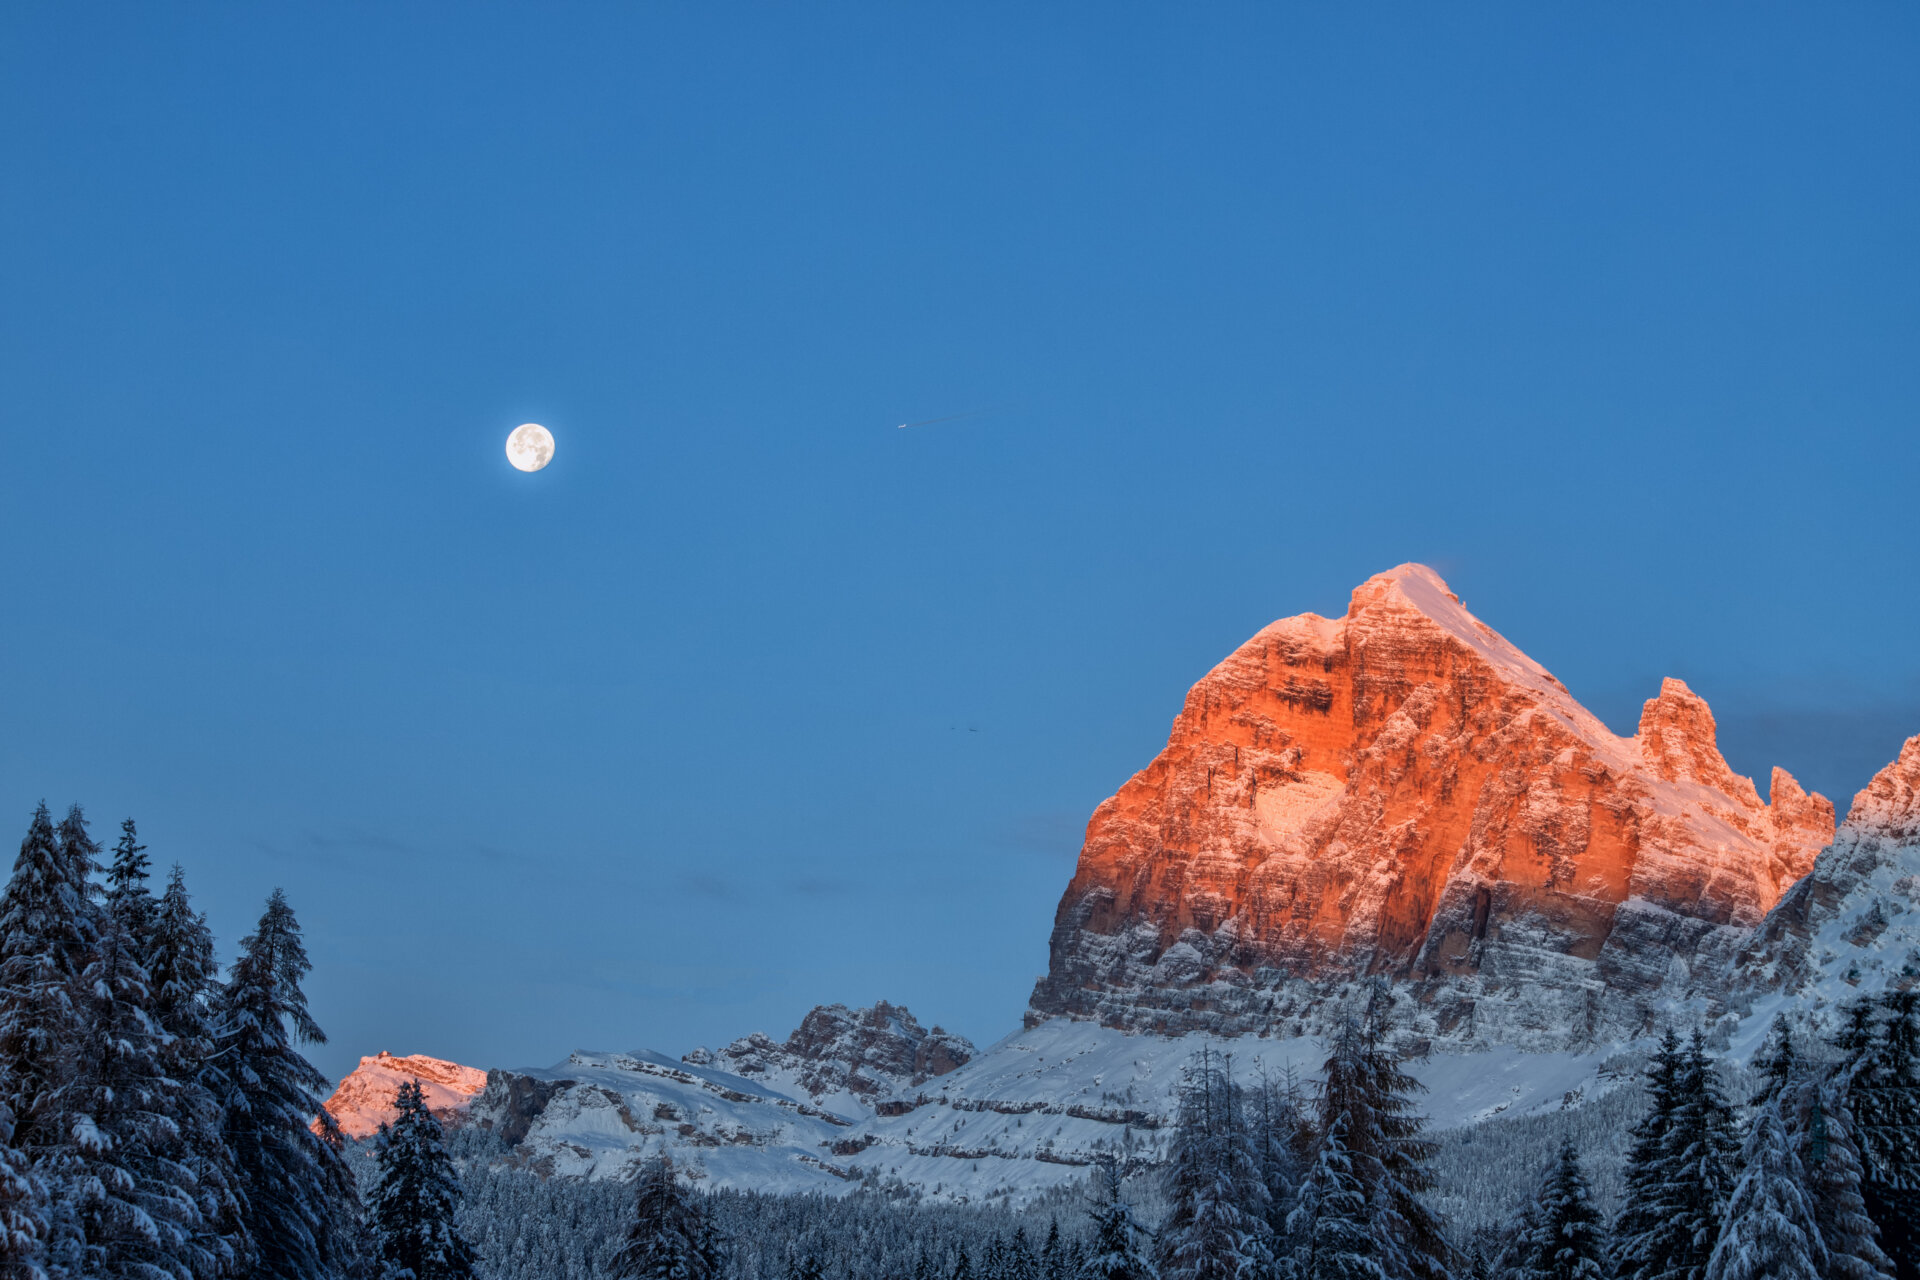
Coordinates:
1403 793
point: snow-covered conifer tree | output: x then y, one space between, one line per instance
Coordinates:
48 924
1568 1241
1363 1081
1118 1249
183 978
1801 1104
1880 1090
23 1210
1829 1149
1701 1150
993 1259
415 1193
134 1195
1519 1246
664 1238
1051 1265
1771 1232
1776 1064
1216 1226
1331 1224
297 1198
1022 1263
128 898
1640 1233
1283 1142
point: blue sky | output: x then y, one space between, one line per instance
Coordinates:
752 701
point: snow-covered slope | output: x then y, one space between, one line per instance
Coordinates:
1039 1107
1031 1113
599 1115
841 1059
761 1113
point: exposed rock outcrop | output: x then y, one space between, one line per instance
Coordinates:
1402 792
364 1100
841 1055
1853 924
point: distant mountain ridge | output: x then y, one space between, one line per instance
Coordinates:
364 1100
844 1059
1399 794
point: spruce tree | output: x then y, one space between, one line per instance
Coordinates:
23 1210
1332 1223
134 1195
993 1260
1022 1264
1776 1063
1698 1159
1519 1244
128 898
1830 1154
1568 1241
1881 1077
1640 1231
1771 1231
48 925
1118 1250
184 981
1363 1080
664 1238
1216 1226
296 1195
1282 1140
415 1194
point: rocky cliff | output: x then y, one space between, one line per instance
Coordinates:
843 1059
1402 792
1852 926
364 1100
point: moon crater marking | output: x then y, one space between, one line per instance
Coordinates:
530 447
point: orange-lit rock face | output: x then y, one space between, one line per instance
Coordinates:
1402 792
364 1100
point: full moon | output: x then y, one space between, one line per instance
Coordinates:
530 447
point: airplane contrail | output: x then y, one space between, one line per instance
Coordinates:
952 417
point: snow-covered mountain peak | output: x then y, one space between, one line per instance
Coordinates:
844 1059
1403 792
1889 806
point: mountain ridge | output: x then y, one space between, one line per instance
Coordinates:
1402 792
1606 887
